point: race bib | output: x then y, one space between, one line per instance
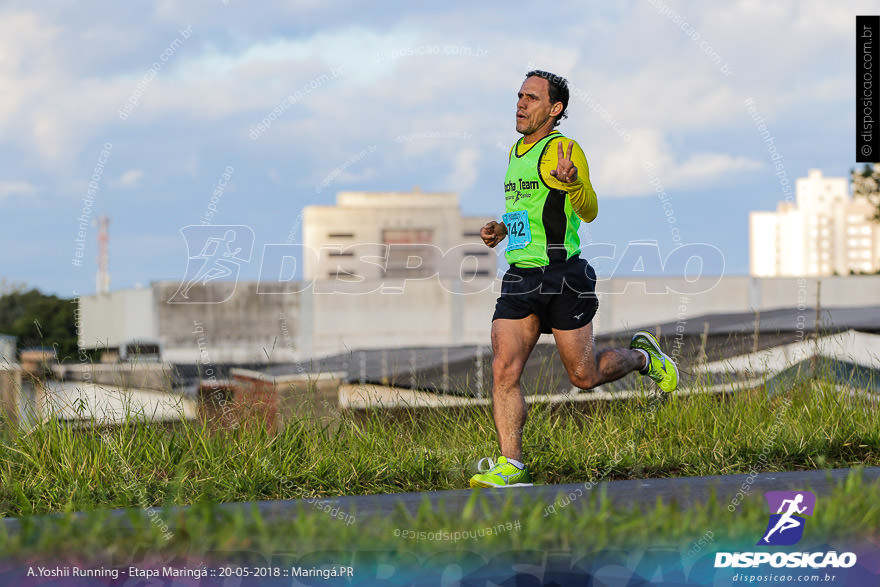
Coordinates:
518 232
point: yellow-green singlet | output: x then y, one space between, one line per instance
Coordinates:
541 224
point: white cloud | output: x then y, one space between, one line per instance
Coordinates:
130 179
66 73
465 170
16 188
621 171
704 169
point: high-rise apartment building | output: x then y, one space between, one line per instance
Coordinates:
825 231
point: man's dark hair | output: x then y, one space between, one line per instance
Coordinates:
557 88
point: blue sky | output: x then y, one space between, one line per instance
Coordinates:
390 96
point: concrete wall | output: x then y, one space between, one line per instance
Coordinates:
8 353
399 314
129 375
629 303
112 319
10 391
276 400
626 304
333 317
245 328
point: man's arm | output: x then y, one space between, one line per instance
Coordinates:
565 168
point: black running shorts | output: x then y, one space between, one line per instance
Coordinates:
562 295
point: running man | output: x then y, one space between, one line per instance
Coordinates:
548 287
786 521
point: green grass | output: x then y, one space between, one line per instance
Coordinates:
57 468
204 533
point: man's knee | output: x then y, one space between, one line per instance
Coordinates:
583 381
584 378
507 369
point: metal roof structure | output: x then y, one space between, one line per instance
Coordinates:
714 337
466 370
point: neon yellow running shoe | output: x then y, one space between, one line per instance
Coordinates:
501 474
660 367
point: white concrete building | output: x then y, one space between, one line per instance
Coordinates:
375 235
823 233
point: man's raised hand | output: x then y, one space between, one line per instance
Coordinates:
565 171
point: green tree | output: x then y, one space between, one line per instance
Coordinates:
867 183
39 320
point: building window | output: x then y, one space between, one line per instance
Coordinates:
340 254
340 235
477 254
477 273
471 233
343 275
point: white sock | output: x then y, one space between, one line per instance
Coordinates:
644 370
516 464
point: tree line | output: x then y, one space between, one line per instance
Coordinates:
39 320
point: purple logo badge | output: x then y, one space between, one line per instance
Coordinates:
786 525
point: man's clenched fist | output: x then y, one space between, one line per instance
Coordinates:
493 233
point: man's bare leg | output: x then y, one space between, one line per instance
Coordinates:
512 343
585 368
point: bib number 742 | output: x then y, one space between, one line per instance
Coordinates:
519 233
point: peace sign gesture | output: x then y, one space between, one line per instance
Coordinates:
565 171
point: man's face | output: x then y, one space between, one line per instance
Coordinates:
533 109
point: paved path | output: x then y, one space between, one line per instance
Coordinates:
622 494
